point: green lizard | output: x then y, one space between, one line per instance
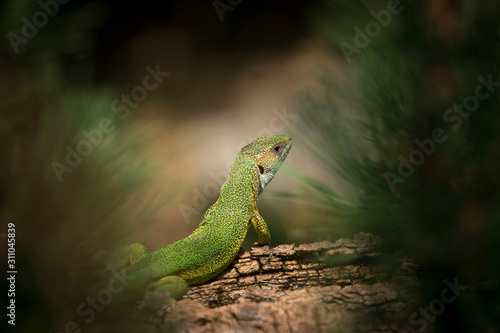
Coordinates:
215 243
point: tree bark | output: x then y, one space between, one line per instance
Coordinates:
320 287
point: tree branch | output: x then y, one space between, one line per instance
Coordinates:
320 287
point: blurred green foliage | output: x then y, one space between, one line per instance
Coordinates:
396 90
65 229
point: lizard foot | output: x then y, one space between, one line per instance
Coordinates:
129 256
175 285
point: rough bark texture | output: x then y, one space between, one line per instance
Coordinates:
319 287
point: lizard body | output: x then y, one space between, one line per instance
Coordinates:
215 243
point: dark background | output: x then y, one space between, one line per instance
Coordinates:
350 122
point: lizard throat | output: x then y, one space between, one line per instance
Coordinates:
265 179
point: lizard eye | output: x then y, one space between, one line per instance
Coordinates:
261 169
277 148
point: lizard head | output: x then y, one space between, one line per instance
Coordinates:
268 152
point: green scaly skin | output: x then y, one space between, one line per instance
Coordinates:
215 243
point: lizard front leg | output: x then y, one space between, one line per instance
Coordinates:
260 226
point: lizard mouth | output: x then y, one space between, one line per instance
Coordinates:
287 148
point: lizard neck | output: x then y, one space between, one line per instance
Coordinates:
242 184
